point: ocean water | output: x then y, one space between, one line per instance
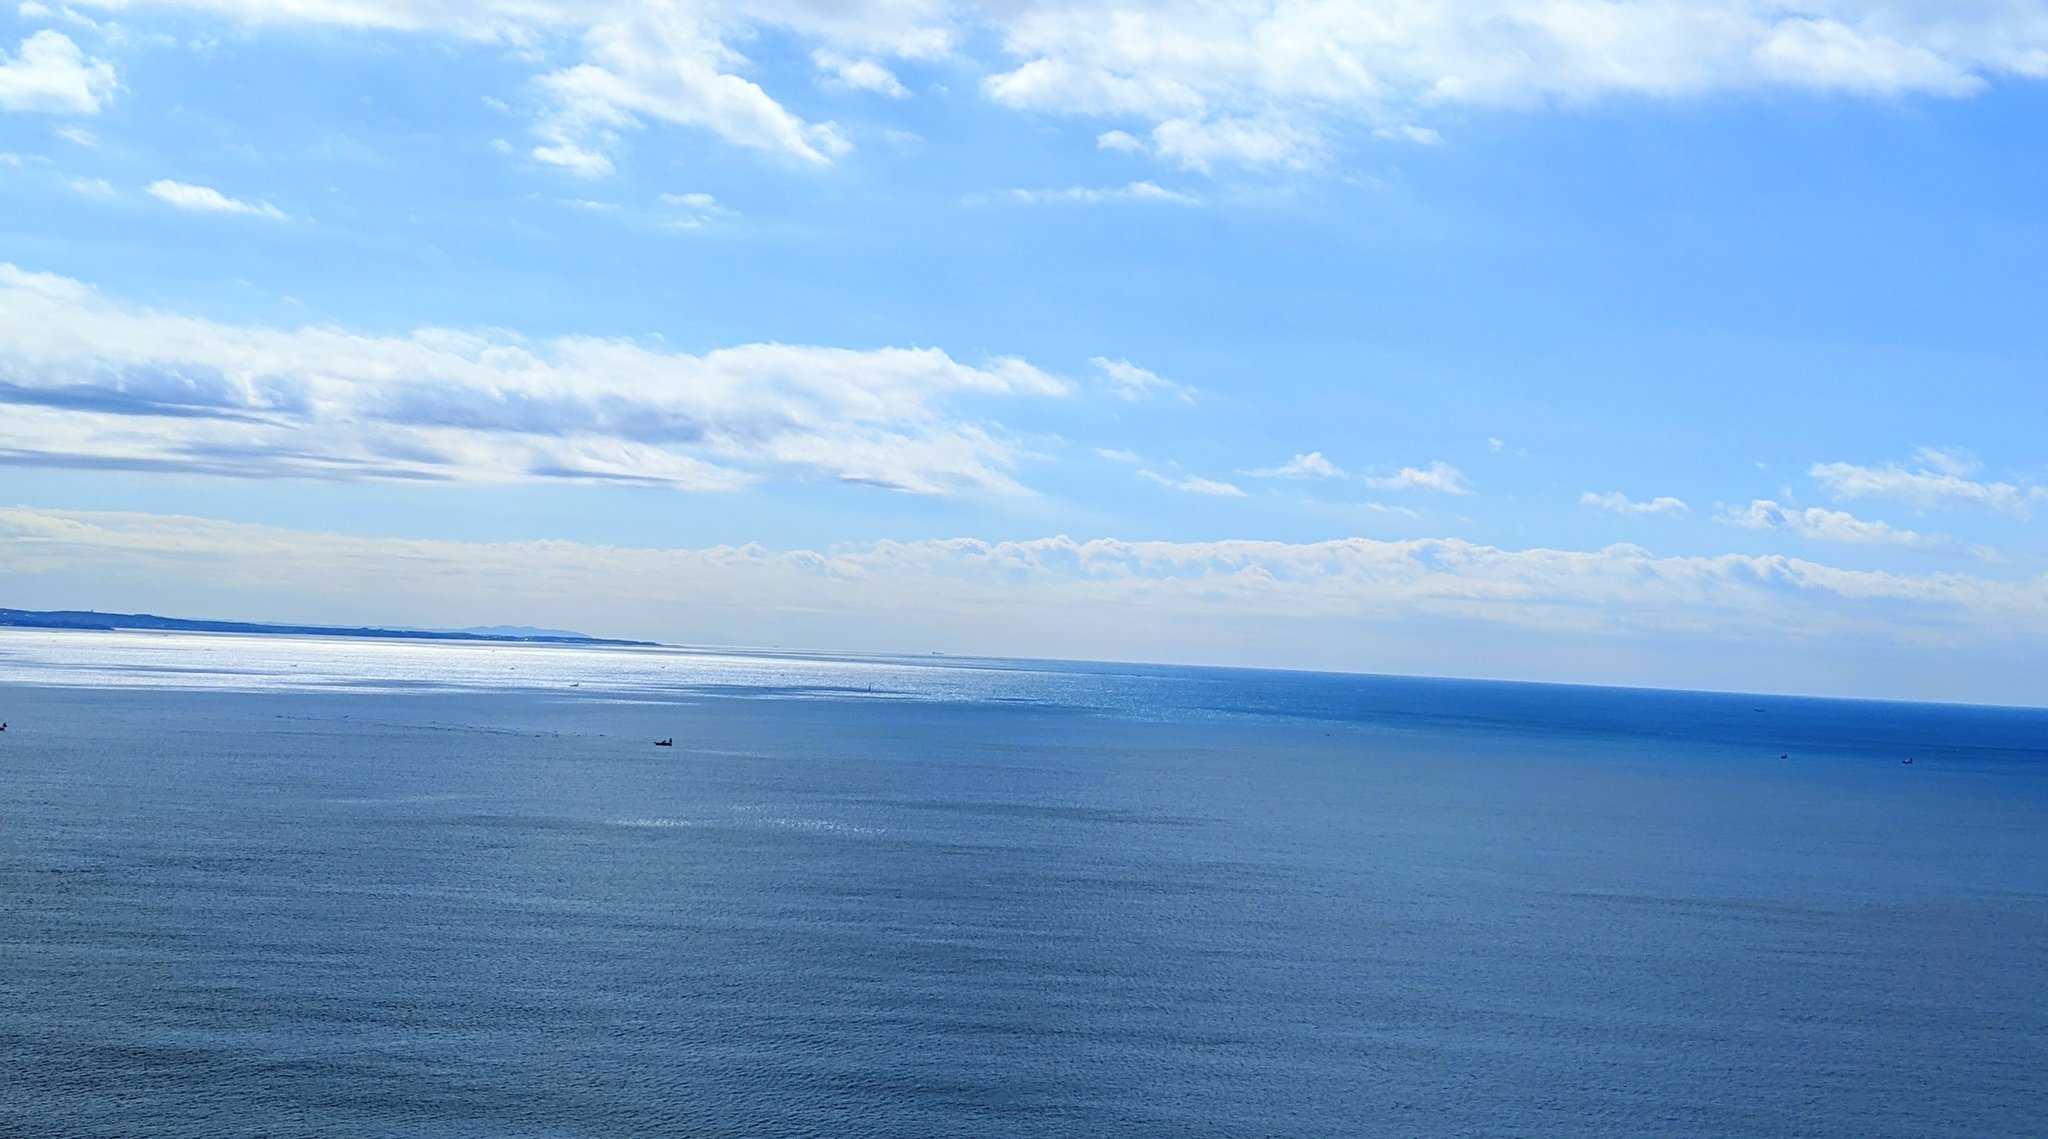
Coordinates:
279 887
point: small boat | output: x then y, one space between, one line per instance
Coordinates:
669 742
1908 759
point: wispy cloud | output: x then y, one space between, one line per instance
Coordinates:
1309 466
1830 526
863 74
1260 84
1135 383
49 74
1941 481
88 382
206 199
1194 484
1091 196
1622 504
701 202
1408 132
1192 142
1116 456
1438 476
695 209
661 63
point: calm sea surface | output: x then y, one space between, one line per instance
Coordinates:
280 887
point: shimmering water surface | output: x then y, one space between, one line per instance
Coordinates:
283 887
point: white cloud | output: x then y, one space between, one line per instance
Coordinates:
859 74
1134 383
703 203
1941 482
1116 456
1194 484
1258 82
1408 132
1828 54
1093 195
661 62
1948 460
49 74
1829 526
1383 508
1352 602
1202 144
675 62
206 199
695 209
90 382
1621 504
79 136
1438 476
92 187
1309 466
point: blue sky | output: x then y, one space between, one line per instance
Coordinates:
1679 343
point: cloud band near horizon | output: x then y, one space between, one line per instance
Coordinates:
1350 603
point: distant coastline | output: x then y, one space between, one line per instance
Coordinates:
107 622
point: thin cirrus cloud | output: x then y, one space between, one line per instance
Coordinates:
1194 484
1140 191
863 74
1134 383
1830 526
695 210
1311 465
50 74
1260 83
89 382
1266 83
1622 504
206 199
1940 480
1439 476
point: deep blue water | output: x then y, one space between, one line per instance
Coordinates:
253 890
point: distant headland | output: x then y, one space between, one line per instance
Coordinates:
87 619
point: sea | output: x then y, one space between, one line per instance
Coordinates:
277 886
